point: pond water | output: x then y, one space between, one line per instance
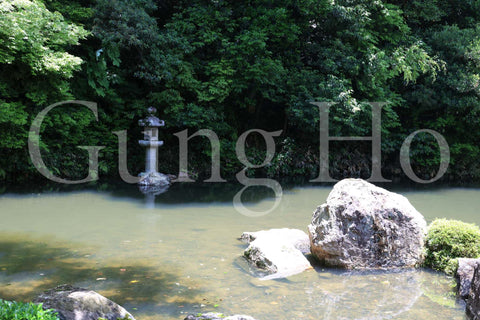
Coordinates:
182 255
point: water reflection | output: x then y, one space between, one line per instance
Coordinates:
30 267
178 193
385 295
151 192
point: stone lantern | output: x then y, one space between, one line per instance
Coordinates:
151 176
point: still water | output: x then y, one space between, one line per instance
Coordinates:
182 255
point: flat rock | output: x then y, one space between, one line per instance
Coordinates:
464 275
364 226
217 316
298 238
278 252
81 304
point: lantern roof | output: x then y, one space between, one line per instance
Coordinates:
151 120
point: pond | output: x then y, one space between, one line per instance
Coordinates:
181 255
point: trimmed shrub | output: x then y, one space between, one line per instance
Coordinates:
448 240
11 310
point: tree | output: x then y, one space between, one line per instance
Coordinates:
237 66
451 104
35 69
231 66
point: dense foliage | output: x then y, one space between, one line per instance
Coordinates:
231 66
25 311
448 240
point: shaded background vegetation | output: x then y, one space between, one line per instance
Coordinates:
231 66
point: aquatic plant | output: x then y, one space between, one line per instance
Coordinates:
11 310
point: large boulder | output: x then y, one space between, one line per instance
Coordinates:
473 301
278 252
217 316
81 304
364 226
464 275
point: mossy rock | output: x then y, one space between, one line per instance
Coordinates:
448 240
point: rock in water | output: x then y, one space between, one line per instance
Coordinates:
473 301
364 226
154 179
278 252
81 304
464 275
297 238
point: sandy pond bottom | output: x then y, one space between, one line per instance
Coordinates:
174 259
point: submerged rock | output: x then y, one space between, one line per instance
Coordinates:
81 304
217 316
278 252
464 275
366 294
364 226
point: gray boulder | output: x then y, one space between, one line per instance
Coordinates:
217 316
364 226
464 275
81 304
278 252
473 301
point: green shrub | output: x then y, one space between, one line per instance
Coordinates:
25 311
448 240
